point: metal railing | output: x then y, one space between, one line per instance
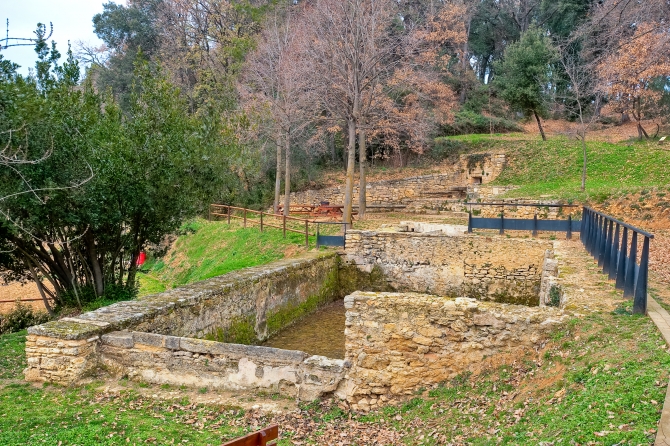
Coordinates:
606 239
523 224
331 240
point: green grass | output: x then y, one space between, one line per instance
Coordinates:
600 380
90 415
12 354
211 249
554 167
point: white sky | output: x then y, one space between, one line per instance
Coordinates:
72 20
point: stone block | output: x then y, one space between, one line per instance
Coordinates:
150 339
121 339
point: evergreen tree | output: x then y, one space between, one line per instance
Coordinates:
524 74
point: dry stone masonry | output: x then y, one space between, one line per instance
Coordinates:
434 191
486 268
246 305
192 362
398 343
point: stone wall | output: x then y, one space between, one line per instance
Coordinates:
161 359
400 343
487 268
245 306
428 189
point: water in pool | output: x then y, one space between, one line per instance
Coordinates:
321 333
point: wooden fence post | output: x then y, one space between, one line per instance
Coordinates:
261 221
307 233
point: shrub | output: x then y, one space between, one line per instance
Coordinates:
21 317
470 122
554 296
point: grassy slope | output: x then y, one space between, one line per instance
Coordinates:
215 248
554 167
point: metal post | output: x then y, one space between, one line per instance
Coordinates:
535 224
284 224
592 237
261 221
582 226
245 218
621 266
601 242
229 215
607 256
596 241
640 299
569 236
317 235
307 233
586 240
629 286
469 221
502 221
614 256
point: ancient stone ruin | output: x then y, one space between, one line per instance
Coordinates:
423 304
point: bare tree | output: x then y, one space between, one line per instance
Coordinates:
627 43
583 91
276 79
349 51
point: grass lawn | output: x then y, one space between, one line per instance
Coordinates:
553 168
600 379
208 249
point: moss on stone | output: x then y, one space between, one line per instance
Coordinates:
239 331
353 279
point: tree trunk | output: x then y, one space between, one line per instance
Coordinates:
464 65
275 207
98 282
539 124
584 161
40 287
351 163
287 177
362 183
331 145
132 269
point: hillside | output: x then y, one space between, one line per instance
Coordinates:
552 169
208 249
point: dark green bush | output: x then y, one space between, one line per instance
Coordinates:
466 122
113 293
447 149
21 317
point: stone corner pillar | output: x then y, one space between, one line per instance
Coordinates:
63 351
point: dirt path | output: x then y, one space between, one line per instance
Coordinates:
16 291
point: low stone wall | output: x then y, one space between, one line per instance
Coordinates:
487 268
245 306
400 343
161 359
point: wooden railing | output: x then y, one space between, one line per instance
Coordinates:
284 222
264 437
